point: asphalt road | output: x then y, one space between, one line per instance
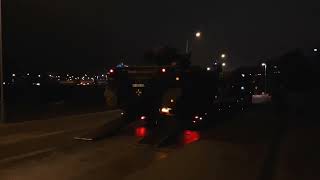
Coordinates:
255 144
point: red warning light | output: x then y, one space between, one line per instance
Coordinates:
141 132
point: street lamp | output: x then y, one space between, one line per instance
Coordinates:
224 64
265 76
223 56
315 50
1 71
197 35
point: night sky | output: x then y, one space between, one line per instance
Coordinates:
82 35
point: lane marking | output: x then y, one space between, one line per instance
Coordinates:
23 137
26 155
83 139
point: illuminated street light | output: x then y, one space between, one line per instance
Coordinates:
265 76
208 68
243 75
198 34
224 64
223 56
177 79
315 50
13 75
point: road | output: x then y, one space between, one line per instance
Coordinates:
255 144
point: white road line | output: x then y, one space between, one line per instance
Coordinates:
83 139
26 155
23 137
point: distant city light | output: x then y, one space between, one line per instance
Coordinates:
242 88
208 68
315 50
275 67
223 56
171 100
224 64
177 78
243 75
4 83
215 63
37 84
163 70
111 70
28 74
13 75
39 75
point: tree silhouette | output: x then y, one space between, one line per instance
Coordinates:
166 56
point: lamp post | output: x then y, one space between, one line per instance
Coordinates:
265 76
197 35
1 70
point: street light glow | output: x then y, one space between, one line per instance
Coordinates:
198 34
224 64
263 64
13 75
223 55
315 50
208 68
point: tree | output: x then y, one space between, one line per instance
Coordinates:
166 56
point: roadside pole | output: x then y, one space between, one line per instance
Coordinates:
2 120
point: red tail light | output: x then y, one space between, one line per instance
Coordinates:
190 136
141 132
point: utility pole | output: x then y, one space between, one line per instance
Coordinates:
2 120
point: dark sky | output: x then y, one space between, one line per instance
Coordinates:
83 35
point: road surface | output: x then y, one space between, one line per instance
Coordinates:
255 144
